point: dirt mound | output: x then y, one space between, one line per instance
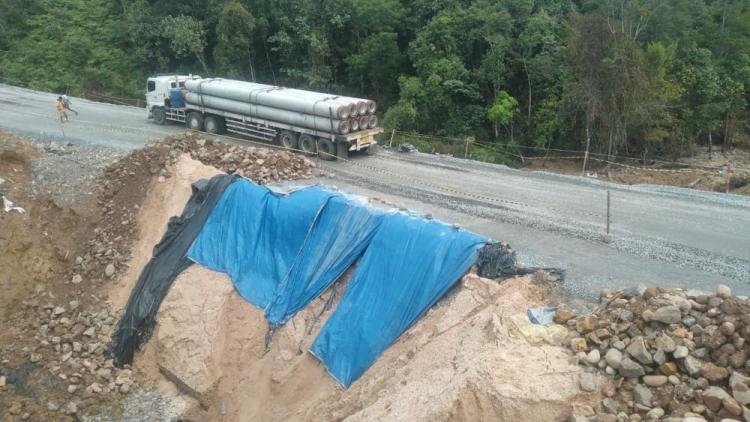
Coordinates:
466 359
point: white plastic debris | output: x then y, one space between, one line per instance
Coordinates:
8 206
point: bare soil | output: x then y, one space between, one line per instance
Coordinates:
701 172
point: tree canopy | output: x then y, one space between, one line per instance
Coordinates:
644 77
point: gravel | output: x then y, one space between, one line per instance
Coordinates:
66 173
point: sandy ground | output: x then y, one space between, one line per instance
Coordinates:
465 360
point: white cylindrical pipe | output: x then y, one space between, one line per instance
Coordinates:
353 124
276 97
309 121
364 121
373 122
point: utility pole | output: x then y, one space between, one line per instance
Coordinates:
390 143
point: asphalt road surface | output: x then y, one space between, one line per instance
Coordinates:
659 235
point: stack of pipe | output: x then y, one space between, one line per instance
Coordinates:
313 110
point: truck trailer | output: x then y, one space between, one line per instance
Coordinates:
315 123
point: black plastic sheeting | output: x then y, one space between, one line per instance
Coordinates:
497 259
169 259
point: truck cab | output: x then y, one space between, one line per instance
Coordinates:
158 90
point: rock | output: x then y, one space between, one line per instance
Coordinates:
610 405
593 357
89 332
713 373
637 349
660 357
94 388
2 381
630 369
77 346
741 393
665 343
588 381
35 357
673 379
619 345
578 344
71 408
723 291
105 373
77 279
52 406
563 315
586 323
654 380
668 368
727 328
642 395
669 314
72 388
613 358
692 365
680 352
650 292
109 271
655 413
59 310
731 406
713 397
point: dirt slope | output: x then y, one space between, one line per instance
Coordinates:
465 360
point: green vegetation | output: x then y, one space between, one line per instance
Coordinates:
650 78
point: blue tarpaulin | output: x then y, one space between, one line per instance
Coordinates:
409 265
282 251
254 235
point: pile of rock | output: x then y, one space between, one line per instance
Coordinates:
261 165
665 353
70 343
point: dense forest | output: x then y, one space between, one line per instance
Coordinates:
651 78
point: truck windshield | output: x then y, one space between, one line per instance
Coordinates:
151 86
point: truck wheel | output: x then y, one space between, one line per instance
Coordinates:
288 140
214 125
326 149
195 121
159 115
307 144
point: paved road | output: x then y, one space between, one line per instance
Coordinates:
660 235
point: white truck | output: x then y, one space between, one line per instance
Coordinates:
328 125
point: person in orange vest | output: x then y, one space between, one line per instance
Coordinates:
61 109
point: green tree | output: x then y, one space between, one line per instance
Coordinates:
502 111
235 50
186 36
